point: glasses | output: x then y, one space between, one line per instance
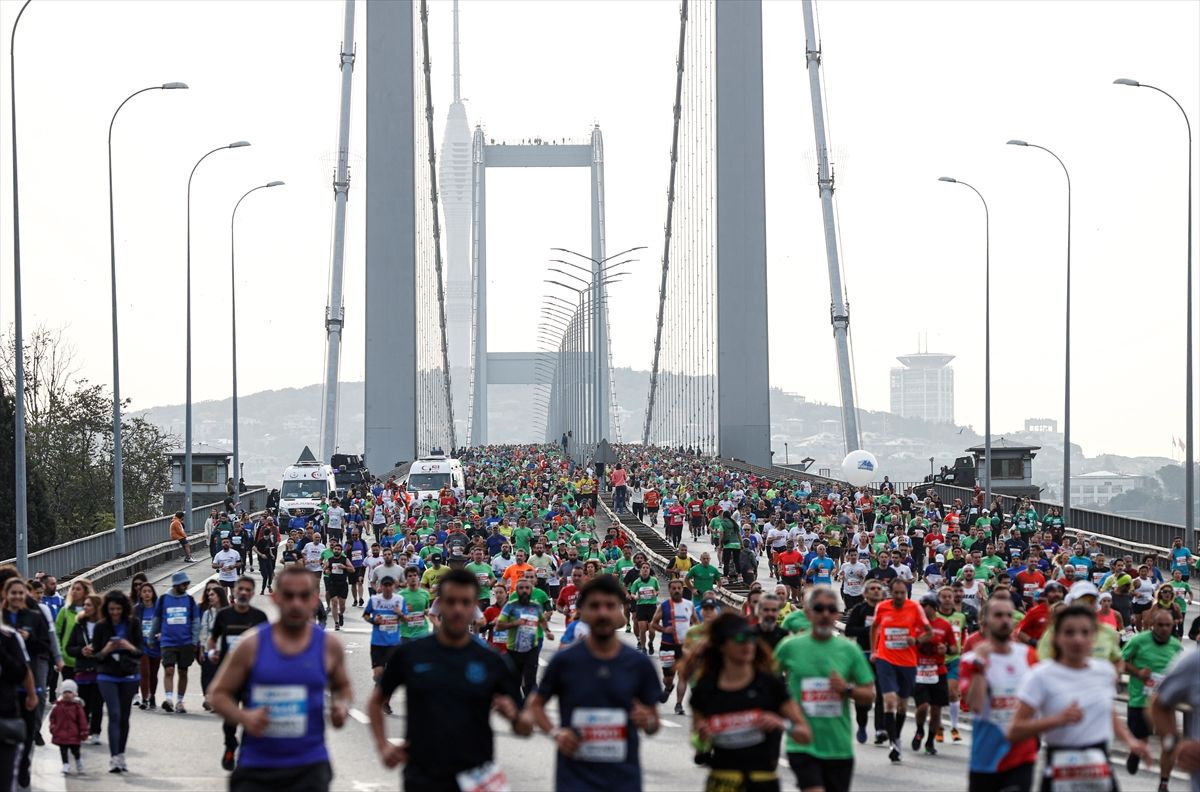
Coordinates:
742 637
823 608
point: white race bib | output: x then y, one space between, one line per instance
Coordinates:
818 699
602 733
1080 770
287 708
895 638
177 614
927 674
733 730
666 658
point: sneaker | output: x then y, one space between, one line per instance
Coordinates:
121 763
862 735
930 750
955 735
66 768
337 626
894 754
206 706
880 737
678 709
1131 764
179 708
94 739
227 760
916 740
939 735
1162 785
153 706
650 648
666 694
387 708
144 705
79 767
113 767
168 706
137 700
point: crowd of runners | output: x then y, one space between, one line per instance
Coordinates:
864 608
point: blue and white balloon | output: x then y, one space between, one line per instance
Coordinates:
860 468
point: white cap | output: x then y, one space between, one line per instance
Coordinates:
1082 588
939 558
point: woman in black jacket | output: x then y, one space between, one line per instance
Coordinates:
117 647
35 631
79 646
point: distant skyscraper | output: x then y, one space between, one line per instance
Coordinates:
454 186
924 387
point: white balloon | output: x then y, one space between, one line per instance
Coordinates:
860 468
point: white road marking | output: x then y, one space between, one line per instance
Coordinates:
359 716
196 589
671 724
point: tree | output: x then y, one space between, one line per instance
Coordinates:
69 442
41 521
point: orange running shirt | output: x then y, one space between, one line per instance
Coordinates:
893 626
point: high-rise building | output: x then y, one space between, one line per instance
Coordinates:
924 387
454 187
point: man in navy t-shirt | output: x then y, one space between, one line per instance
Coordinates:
606 692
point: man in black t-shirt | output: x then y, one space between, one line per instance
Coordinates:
266 550
229 625
449 665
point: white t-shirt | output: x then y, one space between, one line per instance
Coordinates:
1143 591
500 563
227 563
1051 687
853 576
334 517
903 573
369 564
379 570
777 538
312 556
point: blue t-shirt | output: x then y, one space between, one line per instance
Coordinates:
822 569
388 632
1180 558
178 616
594 698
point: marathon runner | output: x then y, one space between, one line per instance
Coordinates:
229 625
673 617
899 624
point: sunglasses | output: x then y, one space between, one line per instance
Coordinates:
823 608
742 637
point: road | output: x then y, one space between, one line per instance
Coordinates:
169 752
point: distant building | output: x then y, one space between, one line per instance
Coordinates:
924 387
1097 489
1012 468
1041 425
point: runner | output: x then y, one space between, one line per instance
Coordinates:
1177 687
229 626
643 594
526 622
858 627
740 710
177 627
338 570
672 618
1147 656
283 670
227 562
824 672
357 550
1069 700
416 606
791 562
932 690
852 574
899 624
597 740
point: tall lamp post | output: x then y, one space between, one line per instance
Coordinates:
1189 464
1066 497
987 342
118 468
21 506
237 470
187 411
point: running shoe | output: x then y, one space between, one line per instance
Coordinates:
227 760
894 754
666 694
678 709
180 709
880 737
168 706
1131 764
955 735
939 735
862 735
916 740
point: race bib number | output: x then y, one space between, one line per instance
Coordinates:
733 730
1150 684
1030 590
337 570
147 629
1003 709
177 614
666 658
482 577
818 699
646 592
1080 770
927 674
790 570
388 623
869 620
526 634
415 618
895 638
602 732
542 573
287 709
488 777
356 555
231 641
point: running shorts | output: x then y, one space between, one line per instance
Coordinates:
896 679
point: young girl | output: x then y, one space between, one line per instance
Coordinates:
69 725
143 614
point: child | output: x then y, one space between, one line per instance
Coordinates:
68 725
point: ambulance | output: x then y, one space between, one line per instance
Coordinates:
428 474
304 483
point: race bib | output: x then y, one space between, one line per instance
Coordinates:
147 629
1030 590
488 777
602 732
542 572
415 618
482 577
790 570
232 641
526 634
1080 770
337 570
356 555
927 674
733 730
177 614
646 592
818 699
1150 684
895 638
1003 709
868 620
666 658
287 709
389 622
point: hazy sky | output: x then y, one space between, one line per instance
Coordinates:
916 90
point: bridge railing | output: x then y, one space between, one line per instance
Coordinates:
1156 536
63 560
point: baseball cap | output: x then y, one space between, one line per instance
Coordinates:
710 602
1083 588
939 558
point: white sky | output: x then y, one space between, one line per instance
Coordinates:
916 90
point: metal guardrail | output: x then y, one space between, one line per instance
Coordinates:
63 560
1155 535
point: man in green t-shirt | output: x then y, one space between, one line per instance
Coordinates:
484 573
644 593
415 622
1147 656
702 577
824 672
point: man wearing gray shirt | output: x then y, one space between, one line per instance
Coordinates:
1179 686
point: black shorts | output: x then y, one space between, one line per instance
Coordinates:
1135 717
302 778
1140 607
1014 779
937 694
182 656
381 654
337 586
672 649
697 522
832 774
792 581
359 573
645 613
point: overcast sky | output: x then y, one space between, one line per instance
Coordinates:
916 90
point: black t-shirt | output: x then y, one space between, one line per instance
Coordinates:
266 546
229 625
447 704
881 573
738 743
773 637
951 567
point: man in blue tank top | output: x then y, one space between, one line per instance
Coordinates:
281 672
447 747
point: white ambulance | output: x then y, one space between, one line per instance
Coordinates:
428 474
304 483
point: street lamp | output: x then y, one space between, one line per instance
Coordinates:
1066 497
21 505
237 470
118 467
987 343
187 411
1189 477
